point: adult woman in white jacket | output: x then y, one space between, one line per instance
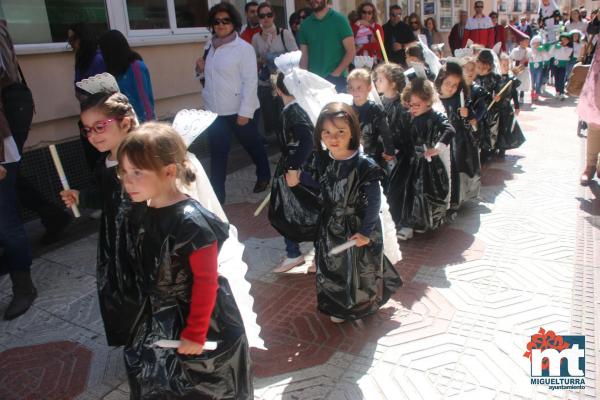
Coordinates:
230 90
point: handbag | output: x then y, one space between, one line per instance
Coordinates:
19 108
577 79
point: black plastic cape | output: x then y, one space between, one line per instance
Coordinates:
477 102
118 292
166 239
293 212
510 135
465 168
491 84
358 281
418 188
376 136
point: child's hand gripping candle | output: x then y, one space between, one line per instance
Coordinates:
350 190
63 179
178 262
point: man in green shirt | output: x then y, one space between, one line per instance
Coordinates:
327 44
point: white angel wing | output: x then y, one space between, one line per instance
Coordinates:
391 249
191 123
497 48
374 96
462 53
311 91
103 82
364 62
432 60
288 61
231 265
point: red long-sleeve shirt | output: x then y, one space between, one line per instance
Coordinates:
204 293
480 31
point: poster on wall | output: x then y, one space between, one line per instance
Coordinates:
445 4
429 8
458 3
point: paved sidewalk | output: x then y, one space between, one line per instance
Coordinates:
526 256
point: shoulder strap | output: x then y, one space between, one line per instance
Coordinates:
283 40
22 76
206 50
137 73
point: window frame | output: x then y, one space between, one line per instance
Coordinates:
117 18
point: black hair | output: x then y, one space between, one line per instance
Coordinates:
280 85
117 54
338 111
295 17
88 45
486 57
250 4
416 51
228 8
394 7
451 69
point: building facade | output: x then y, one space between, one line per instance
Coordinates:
169 34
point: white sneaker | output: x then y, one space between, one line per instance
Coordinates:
405 233
336 320
288 263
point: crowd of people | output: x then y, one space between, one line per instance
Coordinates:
395 151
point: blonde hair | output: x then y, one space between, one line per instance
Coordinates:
360 74
155 145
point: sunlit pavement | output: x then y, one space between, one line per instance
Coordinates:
527 256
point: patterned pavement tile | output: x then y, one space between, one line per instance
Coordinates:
527 255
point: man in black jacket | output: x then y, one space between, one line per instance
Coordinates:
397 36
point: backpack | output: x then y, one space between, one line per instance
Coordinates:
19 108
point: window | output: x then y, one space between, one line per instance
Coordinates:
147 14
178 16
46 21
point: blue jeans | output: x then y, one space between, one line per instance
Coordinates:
536 79
219 142
17 253
292 249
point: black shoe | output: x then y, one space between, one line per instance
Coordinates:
53 230
501 153
24 293
261 186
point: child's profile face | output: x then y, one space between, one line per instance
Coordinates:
140 184
575 37
524 43
383 84
336 135
418 106
359 90
450 86
103 132
482 69
564 41
469 72
504 66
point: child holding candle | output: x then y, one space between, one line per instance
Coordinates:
359 280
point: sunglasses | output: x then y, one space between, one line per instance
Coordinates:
414 22
98 128
396 15
478 6
367 12
222 21
266 15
